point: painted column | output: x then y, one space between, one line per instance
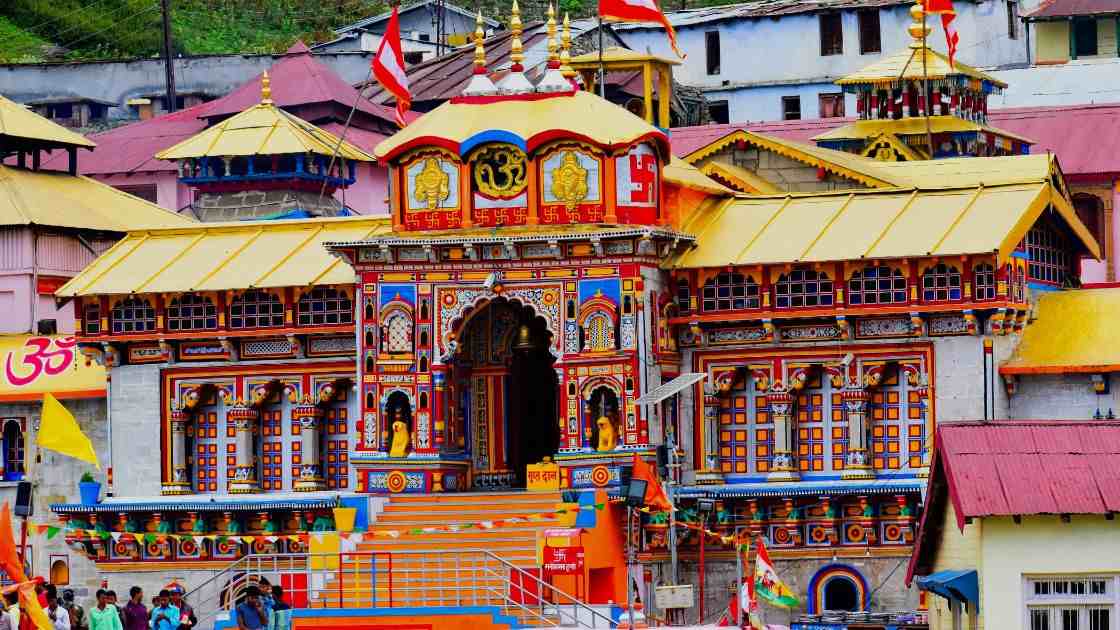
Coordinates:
439 408
709 471
245 468
179 483
784 464
858 464
311 459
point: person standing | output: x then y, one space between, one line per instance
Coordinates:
59 616
164 615
111 597
77 613
135 613
12 601
5 617
187 620
250 613
104 616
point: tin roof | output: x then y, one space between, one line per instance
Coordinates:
908 65
1057 9
757 10
20 125
862 129
1050 345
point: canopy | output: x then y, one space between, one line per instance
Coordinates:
665 390
961 585
1050 345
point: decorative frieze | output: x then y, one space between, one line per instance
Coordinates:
883 327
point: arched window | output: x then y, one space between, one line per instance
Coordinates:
941 283
133 315
684 295
840 593
325 306
598 332
91 319
730 291
984 281
60 572
1090 210
877 285
803 287
256 309
396 333
191 312
13 449
1049 255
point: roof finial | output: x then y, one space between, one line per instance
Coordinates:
266 89
516 56
566 49
918 29
553 53
553 80
479 46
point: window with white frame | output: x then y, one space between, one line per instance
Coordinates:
1071 603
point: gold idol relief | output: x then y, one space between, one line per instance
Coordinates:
431 185
569 180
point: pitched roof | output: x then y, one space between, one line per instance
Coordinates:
1050 345
366 23
1057 9
225 256
862 129
20 125
908 65
1018 468
685 140
757 10
57 199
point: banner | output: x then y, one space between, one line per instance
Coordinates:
35 365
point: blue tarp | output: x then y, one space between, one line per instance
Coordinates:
961 585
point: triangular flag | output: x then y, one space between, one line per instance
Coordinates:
198 540
59 432
639 11
392 533
767 585
486 524
52 531
248 539
272 539
116 536
655 494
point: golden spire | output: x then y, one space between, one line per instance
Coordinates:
553 54
516 55
918 29
266 89
479 47
566 49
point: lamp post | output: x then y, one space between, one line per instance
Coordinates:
635 494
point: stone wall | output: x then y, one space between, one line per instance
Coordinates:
1062 396
258 204
135 400
785 173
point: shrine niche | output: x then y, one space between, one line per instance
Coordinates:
499 177
597 320
396 328
432 182
571 185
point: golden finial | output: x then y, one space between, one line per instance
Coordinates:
566 49
479 47
266 89
516 55
918 29
553 53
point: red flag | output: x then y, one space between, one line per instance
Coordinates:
948 14
655 495
388 66
638 11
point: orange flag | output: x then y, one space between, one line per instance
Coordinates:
655 495
9 562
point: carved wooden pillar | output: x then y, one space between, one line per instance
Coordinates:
709 471
179 481
310 419
858 464
784 465
440 427
244 479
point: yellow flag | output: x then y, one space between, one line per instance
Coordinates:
59 432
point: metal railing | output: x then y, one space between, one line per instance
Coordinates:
401 579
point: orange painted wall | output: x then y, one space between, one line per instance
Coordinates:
411 622
605 556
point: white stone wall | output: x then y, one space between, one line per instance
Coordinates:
1062 397
959 377
135 405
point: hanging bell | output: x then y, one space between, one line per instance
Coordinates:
524 339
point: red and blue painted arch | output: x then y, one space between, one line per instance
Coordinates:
831 572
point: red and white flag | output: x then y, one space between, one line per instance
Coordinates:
948 14
388 66
638 11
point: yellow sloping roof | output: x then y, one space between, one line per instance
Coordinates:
971 171
740 178
906 65
1075 331
223 256
872 224
53 198
863 129
681 173
263 129
617 54
19 122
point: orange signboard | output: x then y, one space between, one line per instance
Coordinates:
33 365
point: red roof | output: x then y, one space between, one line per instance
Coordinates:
1020 468
1066 8
1082 136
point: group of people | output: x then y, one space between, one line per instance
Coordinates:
261 601
169 611
63 612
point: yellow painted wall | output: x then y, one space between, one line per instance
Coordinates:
955 551
1041 545
1053 41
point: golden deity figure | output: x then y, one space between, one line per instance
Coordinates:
569 180
431 186
401 439
608 439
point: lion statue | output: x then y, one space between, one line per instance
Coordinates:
608 439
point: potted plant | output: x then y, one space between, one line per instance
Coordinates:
89 489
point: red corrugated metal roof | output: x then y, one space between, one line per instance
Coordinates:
1031 467
1066 8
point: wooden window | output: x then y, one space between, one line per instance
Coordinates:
91 319
984 282
324 306
832 34
877 285
684 296
803 287
711 50
1084 37
870 41
13 443
1012 19
256 309
730 292
719 112
1048 253
132 315
791 108
191 312
831 105
1071 602
941 283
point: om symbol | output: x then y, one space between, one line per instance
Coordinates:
500 171
39 358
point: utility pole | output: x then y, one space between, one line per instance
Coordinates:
168 59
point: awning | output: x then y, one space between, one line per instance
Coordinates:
961 585
665 390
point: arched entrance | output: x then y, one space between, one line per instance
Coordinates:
505 388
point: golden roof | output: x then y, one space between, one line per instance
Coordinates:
512 233
681 173
971 171
1051 345
617 55
460 124
895 223
863 129
58 199
907 66
740 179
225 256
19 122
263 129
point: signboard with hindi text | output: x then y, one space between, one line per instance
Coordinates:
33 365
542 477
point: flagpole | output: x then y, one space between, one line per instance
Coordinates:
925 82
602 72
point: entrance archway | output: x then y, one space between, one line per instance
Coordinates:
509 398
